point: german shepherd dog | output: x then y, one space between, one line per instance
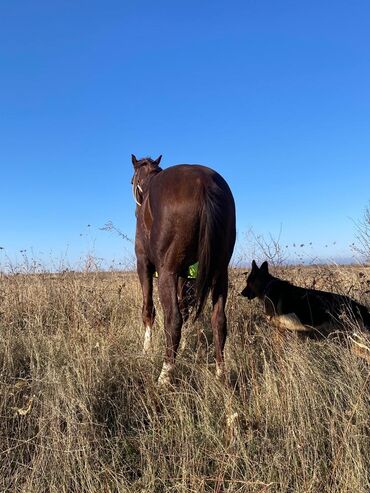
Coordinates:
289 307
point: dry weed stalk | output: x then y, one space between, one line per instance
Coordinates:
80 410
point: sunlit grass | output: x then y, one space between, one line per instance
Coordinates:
81 410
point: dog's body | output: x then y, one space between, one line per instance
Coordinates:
300 309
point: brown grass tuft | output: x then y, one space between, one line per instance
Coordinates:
81 411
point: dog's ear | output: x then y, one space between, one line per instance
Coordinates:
264 267
254 265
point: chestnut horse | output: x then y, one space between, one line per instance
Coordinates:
184 214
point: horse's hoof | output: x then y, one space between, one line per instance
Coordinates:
147 349
231 426
220 372
165 377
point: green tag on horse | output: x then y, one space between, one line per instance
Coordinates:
191 274
193 271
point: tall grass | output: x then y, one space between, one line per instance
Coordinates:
81 411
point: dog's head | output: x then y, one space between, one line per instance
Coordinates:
257 279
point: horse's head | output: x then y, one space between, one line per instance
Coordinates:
143 168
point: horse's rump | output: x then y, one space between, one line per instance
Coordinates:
193 220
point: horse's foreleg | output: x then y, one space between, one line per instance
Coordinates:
167 287
145 272
218 321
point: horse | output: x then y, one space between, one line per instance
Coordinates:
184 214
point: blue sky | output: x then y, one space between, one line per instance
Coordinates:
273 95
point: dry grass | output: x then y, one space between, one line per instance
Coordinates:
81 412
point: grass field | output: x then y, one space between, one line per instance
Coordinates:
81 412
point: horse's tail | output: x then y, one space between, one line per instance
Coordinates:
213 248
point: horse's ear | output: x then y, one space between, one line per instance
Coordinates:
265 267
254 265
157 161
134 160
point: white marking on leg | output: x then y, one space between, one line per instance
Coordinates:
165 376
231 420
231 427
220 371
148 339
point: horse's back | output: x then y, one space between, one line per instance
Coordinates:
186 183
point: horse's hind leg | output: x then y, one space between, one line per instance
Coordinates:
218 320
145 272
167 287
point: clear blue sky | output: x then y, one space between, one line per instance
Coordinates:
273 95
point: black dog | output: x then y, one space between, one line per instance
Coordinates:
300 309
